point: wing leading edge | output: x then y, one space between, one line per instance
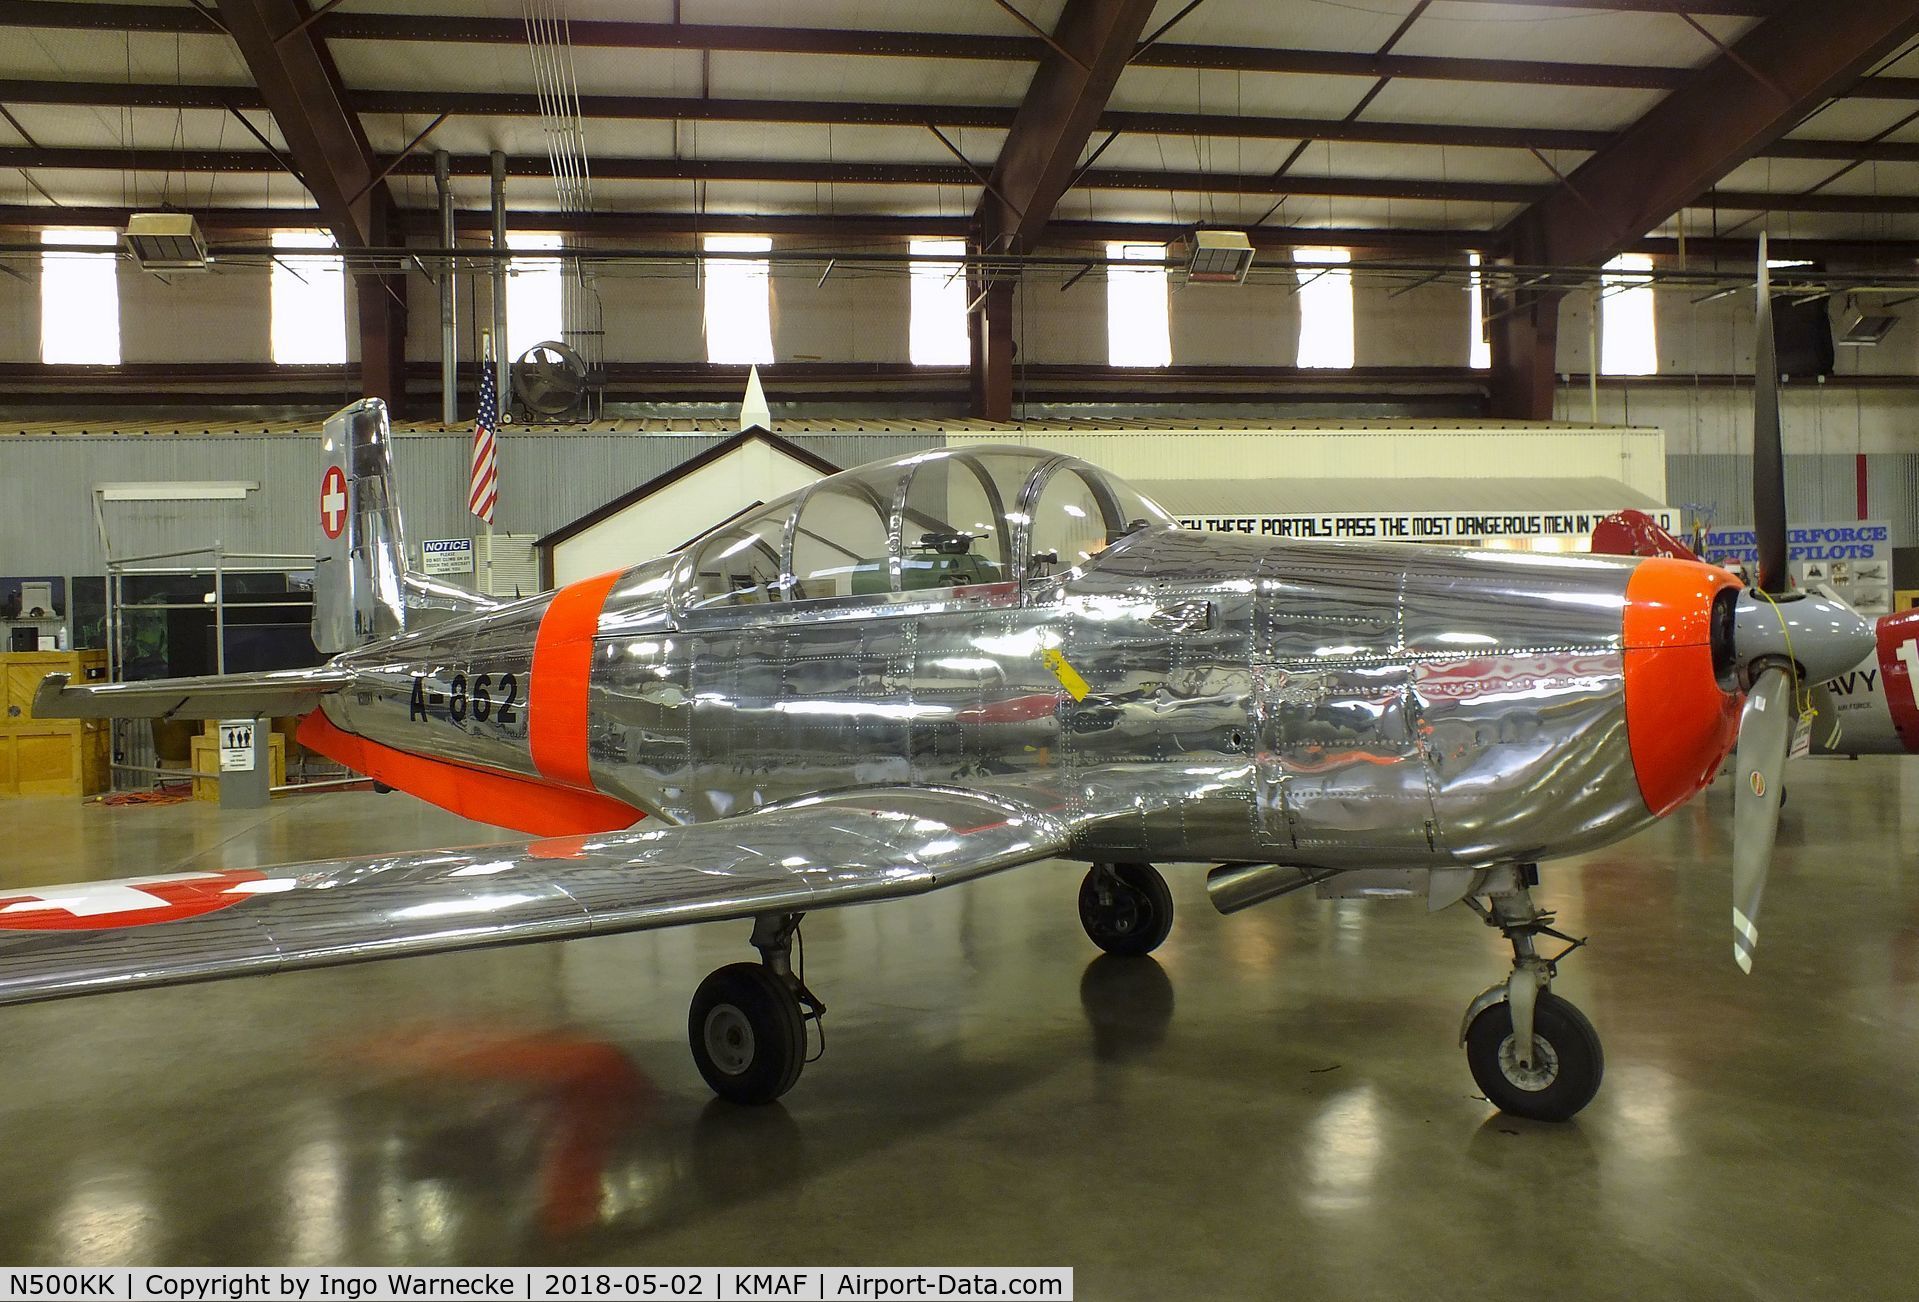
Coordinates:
848 848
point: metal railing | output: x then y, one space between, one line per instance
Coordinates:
133 748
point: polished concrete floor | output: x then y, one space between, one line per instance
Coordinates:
1274 1105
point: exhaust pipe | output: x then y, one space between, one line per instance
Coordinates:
1235 886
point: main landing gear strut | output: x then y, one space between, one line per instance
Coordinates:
1533 1053
748 1021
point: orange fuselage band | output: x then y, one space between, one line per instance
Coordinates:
562 665
1679 722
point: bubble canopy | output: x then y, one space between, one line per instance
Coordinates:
951 518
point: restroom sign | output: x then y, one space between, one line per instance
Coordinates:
236 745
447 555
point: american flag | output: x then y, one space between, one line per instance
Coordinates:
483 485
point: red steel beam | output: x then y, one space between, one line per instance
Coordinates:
1723 116
1038 161
870 113
851 229
301 89
854 230
250 161
346 24
1062 107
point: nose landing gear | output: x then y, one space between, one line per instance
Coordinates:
1534 1054
1126 908
747 1024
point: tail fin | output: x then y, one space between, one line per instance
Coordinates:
363 589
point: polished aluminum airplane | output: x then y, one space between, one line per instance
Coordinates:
921 671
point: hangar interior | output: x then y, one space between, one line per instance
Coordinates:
1308 275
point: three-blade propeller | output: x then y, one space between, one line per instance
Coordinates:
1782 640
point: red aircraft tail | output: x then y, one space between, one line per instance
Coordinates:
1634 533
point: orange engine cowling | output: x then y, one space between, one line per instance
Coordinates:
1680 720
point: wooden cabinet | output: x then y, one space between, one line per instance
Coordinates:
50 757
23 671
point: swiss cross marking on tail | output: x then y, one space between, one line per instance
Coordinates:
333 501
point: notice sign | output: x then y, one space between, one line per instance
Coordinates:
1417 526
236 745
447 555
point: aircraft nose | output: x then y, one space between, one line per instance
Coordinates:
1680 716
1825 637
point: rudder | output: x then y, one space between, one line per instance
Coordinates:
363 589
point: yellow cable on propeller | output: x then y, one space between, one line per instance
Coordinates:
1802 695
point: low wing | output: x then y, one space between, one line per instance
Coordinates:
842 849
218 696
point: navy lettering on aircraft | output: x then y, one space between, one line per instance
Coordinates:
1861 680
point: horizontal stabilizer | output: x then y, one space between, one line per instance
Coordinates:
217 696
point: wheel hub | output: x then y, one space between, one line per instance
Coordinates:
1539 1076
729 1039
1119 915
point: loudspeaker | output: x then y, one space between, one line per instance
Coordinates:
1802 332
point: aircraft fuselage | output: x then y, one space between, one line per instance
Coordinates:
1332 705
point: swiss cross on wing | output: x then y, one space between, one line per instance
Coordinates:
133 901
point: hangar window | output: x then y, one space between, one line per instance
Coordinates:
936 334
1325 308
308 293
1138 332
1479 349
1628 337
80 301
739 319
535 294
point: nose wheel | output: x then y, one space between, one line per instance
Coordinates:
1126 908
1566 1061
747 1024
1532 1053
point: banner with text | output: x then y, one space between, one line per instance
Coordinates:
1417 526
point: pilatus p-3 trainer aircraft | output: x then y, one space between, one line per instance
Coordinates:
918 672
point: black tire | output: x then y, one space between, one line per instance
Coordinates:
746 1032
1568 1060
1136 919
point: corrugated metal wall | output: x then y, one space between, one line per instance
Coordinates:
1818 488
46 524
47 527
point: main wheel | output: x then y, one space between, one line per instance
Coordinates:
1137 913
748 1038
1567 1060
